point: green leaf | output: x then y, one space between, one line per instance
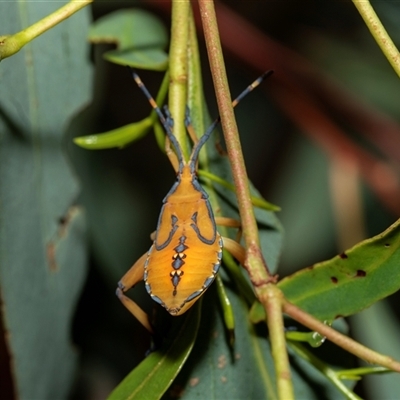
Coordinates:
155 59
140 38
119 137
43 240
152 377
351 281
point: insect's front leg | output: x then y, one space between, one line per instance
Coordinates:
233 246
230 223
130 279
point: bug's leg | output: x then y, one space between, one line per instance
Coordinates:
153 236
171 155
130 279
230 223
236 249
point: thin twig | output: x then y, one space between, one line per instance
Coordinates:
378 31
336 337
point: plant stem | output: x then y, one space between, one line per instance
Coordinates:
324 369
379 33
268 294
178 68
273 307
336 337
11 44
354 373
255 263
195 87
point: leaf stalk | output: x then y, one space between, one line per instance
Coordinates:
11 44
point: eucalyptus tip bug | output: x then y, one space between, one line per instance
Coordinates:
186 254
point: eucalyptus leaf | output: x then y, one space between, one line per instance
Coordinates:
152 377
140 38
119 137
351 281
155 59
43 248
348 283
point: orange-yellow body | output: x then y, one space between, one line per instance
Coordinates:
187 250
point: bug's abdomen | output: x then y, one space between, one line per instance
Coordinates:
178 274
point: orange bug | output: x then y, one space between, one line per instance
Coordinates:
187 249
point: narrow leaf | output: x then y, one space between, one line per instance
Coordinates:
155 374
119 137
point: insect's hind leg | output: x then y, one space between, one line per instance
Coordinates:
130 279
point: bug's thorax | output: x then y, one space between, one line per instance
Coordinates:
187 191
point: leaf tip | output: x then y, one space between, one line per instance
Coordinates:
86 142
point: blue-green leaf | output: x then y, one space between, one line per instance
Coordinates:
42 232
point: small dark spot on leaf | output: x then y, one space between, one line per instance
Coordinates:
387 244
334 279
360 273
64 220
343 255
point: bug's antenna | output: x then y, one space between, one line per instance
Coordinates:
166 121
196 149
